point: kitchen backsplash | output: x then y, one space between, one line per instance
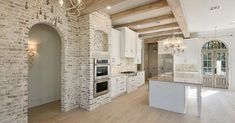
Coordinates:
127 64
186 68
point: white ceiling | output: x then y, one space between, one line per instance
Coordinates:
199 16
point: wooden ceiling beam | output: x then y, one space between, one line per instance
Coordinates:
156 39
146 21
159 33
179 16
95 5
141 9
170 25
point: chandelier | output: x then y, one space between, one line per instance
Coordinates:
174 44
73 7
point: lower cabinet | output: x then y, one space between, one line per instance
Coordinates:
131 84
118 85
140 78
122 84
113 87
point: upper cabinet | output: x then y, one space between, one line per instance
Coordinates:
128 42
115 46
138 52
125 43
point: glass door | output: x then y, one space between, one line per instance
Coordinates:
221 69
215 64
215 69
208 76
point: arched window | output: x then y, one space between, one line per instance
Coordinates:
213 45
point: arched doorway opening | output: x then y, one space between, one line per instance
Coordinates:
44 61
215 64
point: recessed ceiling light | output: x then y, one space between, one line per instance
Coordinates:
108 7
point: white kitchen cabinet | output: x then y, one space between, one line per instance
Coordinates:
131 84
115 46
138 52
113 87
121 85
118 85
140 78
133 40
128 42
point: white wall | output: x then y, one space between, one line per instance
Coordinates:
45 74
194 45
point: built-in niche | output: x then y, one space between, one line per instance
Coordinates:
101 41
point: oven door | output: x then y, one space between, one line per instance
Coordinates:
101 87
101 71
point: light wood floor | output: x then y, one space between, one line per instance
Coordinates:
218 106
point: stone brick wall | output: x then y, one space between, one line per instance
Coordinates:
15 23
89 42
78 51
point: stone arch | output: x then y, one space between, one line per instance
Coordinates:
61 34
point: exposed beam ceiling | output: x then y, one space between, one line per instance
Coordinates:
159 33
146 21
173 25
159 38
178 13
94 5
138 10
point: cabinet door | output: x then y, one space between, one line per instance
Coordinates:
113 89
132 43
127 43
128 40
131 84
121 86
115 46
138 54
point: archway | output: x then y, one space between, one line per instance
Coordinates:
215 64
44 61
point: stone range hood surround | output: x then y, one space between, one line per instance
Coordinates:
89 48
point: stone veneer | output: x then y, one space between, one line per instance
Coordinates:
127 64
89 42
186 68
77 58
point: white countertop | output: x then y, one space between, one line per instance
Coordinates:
170 79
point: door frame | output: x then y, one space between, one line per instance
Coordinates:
213 53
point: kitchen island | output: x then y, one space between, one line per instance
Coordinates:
167 94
